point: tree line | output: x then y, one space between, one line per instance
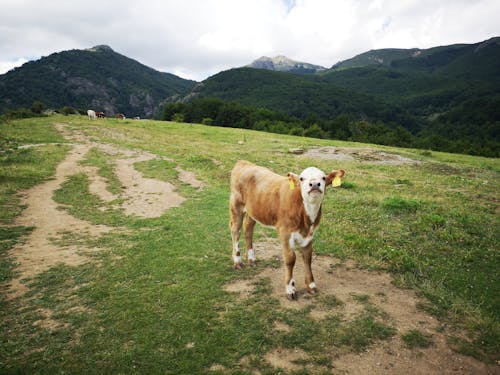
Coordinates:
439 137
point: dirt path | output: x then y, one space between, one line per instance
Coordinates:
143 197
39 252
347 283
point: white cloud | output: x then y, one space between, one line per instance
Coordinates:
197 38
5 66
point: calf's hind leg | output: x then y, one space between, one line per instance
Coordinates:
235 223
289 259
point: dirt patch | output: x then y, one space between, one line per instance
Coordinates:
243 287
366 155
189 178
286 358
354 288
39 253
144 197
141 196
47 321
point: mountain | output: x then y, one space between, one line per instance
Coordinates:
427 82
447 97
301 96
284 64
97 78
452 60
376 57
398 85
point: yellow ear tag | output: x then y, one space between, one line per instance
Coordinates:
292 185
336 181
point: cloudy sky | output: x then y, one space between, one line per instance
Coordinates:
197 38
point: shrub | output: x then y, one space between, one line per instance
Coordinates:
67 110
178 117
207 121
37 107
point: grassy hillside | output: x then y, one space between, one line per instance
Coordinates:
152 297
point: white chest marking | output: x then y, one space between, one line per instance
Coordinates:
297 239
312 210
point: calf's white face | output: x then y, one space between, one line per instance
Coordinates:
312 185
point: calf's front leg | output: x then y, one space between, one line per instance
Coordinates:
249 224
309 278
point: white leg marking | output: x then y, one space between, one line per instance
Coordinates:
251 255
312 285
290 288
236 253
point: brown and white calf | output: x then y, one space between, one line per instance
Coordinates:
291 204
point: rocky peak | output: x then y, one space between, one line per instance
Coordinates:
284 64
101 48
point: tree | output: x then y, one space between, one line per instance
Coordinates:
67 110
37 107
314 131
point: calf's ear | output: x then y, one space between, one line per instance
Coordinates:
293 180
334 174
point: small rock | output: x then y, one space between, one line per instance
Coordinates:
296 151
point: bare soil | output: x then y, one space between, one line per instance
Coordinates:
143 197
347 282
359 154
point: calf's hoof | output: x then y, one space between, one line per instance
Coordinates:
292 296
291 292
238 265
311 288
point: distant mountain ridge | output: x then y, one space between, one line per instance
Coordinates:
376 57
447 95
421 82
97 78
390 56
285 64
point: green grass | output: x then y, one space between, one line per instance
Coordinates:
152 299
416 339
101 160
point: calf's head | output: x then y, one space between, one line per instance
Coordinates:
312 182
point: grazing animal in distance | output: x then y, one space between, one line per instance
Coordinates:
91 114
291 204
120 116
100 114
